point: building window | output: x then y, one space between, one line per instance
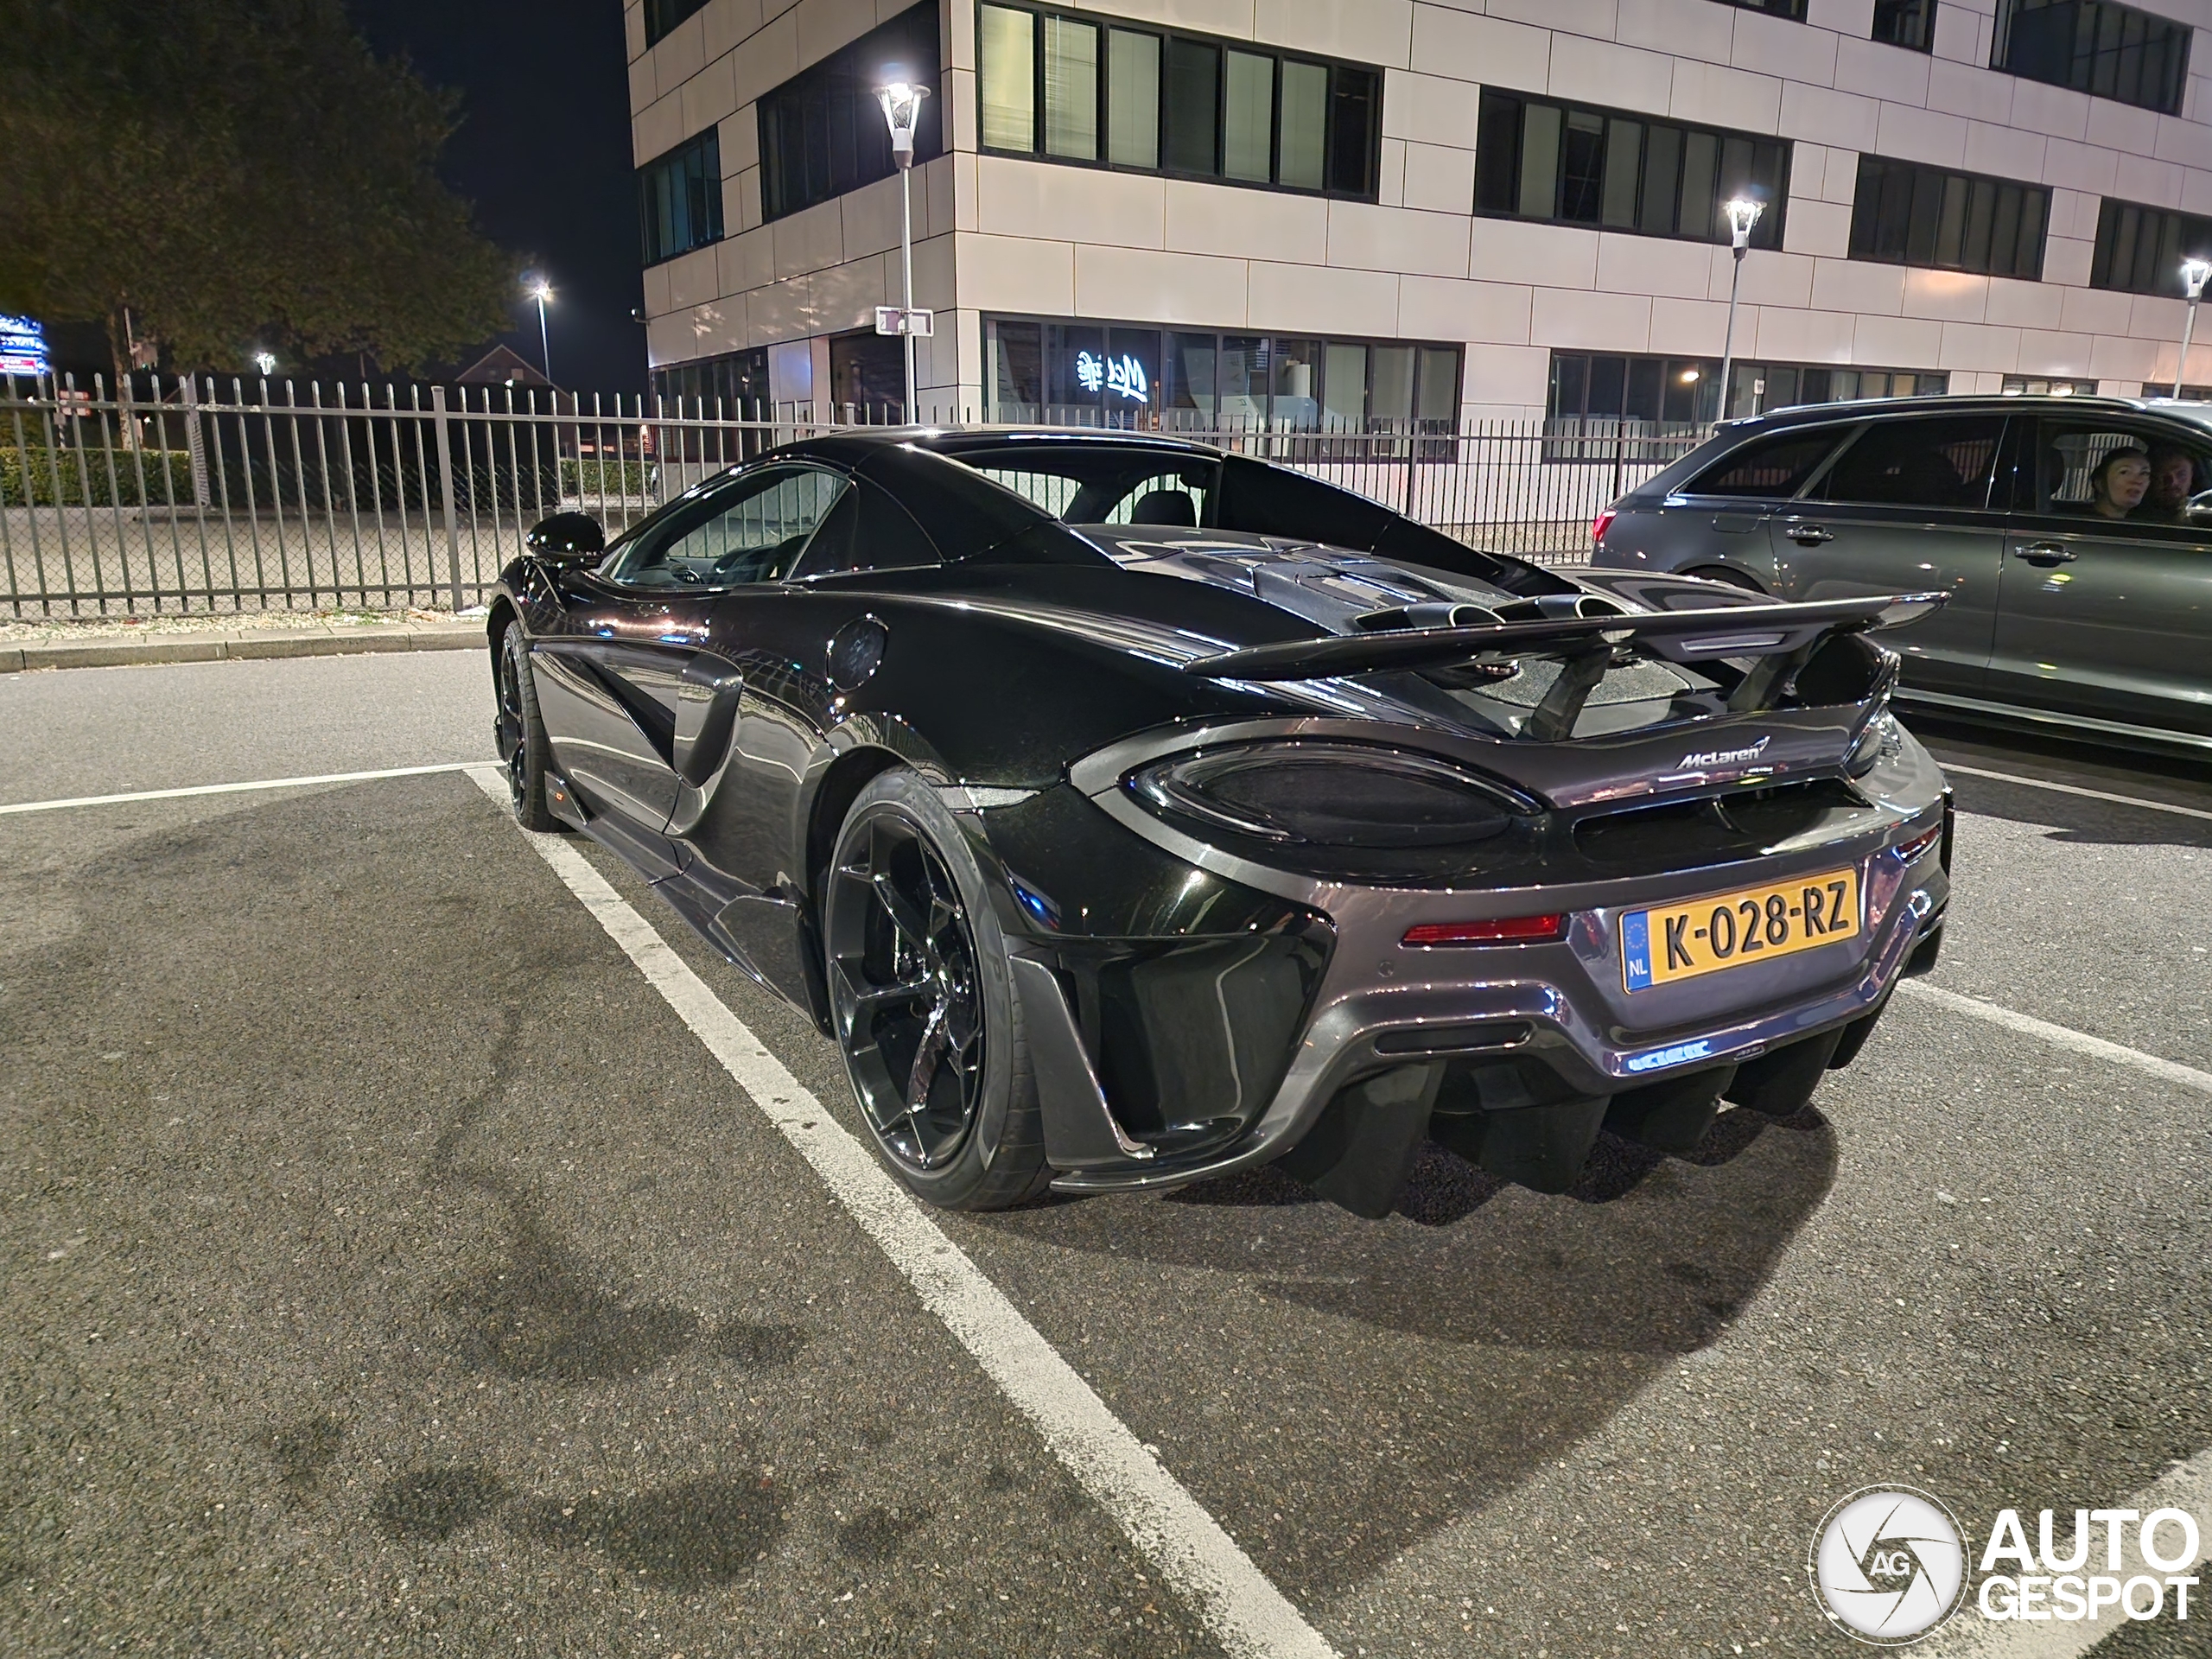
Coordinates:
1908 214
822 133
1908 23
868 376
1604 394
1793 11
711 389
680 198
2189 394
2140 249
662 16
1786 385
1072 88
2096 46
2017 385
1112 374
1535 159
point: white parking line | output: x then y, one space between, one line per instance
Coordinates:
234 789
2064 1036
2076 789
1969 1636
1247 1614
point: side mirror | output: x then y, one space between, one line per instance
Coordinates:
2198 509
566 538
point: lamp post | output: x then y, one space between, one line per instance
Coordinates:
542 291
902 108
1743 213
266 362
2194 271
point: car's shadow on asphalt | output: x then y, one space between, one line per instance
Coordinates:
1644 1254
1339 1390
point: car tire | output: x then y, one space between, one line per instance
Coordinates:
924 1005
1723 575
524 750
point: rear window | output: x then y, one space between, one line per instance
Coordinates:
1776 467
1155 497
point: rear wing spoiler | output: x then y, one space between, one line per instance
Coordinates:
1787 631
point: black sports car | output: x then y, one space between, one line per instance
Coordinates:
1129 812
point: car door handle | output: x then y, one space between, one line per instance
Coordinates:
1810 535
2045 553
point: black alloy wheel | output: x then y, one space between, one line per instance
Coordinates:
905 994
923 1004
520 732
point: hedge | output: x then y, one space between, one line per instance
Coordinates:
92 467
602 478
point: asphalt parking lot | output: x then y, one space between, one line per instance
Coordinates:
390 1269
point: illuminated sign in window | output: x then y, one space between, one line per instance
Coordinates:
23 347
1123 376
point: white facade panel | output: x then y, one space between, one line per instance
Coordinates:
1006 237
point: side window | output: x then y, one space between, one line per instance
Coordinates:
1942 460
752 530
867 531
2095 469
1775 467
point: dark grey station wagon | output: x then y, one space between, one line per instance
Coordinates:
2074 536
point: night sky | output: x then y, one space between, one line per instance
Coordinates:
543 152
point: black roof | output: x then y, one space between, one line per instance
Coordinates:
1967 404
851 444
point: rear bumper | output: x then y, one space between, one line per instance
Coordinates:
1553 1020
1528 1020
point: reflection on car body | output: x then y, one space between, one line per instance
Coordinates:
1128 811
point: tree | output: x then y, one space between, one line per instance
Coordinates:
233 172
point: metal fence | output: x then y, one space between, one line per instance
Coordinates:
198 496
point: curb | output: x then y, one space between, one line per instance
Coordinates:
244 646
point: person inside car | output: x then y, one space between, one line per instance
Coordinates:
2173 480
2119 482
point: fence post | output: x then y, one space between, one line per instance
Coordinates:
1620 455
445 491
195 441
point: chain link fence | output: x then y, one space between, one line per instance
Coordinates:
198 496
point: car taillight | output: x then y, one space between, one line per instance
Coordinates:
1908 850
1601 525
1505 930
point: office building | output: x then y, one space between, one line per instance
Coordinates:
1323 215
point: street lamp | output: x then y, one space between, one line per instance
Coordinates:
266 362
2194 271
542 291
1743 213
902 108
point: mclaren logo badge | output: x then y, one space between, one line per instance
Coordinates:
1713 757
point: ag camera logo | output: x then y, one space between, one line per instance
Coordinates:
1889 1564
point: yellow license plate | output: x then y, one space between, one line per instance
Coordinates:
1733 930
